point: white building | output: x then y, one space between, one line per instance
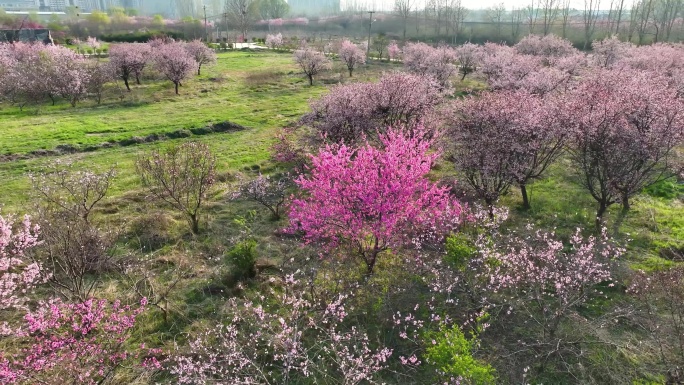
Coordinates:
18 5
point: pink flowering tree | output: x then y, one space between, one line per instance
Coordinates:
274 41
624 131
608 52
469 57
311 62
67 74
84 343
547 46
393 51
99 74
302 339
507 69
18 275
174 62
505 138
350 112
371 200
129 60
424 60
202 54
351 55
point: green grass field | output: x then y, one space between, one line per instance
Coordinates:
262 91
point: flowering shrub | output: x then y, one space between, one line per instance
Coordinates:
82 343
274 41
18 276
300 338
370 199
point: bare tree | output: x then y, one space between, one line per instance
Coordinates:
617 14
643 11
457 15
496 15
403 9
532 16
241 13
180 176
549 13
74 249
516 17
589 16
665 12
565 18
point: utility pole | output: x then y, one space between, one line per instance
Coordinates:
370 23
225 22
206 34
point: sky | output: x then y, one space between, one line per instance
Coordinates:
470 4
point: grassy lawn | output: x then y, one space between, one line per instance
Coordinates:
262 91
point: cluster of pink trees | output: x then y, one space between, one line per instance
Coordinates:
175 60
437 63
618 115
624 130
350 112
32 73
82 342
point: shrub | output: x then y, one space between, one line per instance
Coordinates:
452 353
152 231
243 258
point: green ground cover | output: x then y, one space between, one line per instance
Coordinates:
262 92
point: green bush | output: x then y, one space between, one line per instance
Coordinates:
451 352
243 258
140 37
460 249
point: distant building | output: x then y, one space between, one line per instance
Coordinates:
18 5
26 35
313 7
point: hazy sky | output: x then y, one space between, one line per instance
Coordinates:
470 4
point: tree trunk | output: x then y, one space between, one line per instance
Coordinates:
194 221
350 72
370 264
525 198
599 215
625 203
176 84
310 79
126 83
199 70
137 79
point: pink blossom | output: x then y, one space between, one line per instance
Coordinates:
371 199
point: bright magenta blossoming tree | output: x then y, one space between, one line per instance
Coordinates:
371 199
